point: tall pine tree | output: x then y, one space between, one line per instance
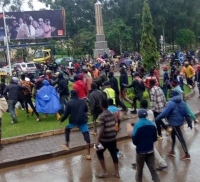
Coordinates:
149 51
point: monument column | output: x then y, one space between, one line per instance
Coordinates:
101 45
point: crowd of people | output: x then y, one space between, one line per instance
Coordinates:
97 91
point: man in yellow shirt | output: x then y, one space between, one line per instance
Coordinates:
189 72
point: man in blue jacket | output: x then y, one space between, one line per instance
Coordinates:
176 111
77 110
144 135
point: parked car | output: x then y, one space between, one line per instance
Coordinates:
25 67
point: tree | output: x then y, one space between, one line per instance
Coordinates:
185 37
149 46
119 36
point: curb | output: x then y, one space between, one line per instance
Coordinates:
48 155
22 138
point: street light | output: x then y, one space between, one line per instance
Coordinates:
6 38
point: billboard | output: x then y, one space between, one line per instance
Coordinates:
33 24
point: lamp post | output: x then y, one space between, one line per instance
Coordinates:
7 42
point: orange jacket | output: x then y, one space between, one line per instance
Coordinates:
188 71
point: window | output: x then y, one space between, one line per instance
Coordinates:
39 54
30 65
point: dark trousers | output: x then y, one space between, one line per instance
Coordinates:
112 148
21 101
190 81
149 159
159 123
176 131
63 102
27 100
137 97
119 102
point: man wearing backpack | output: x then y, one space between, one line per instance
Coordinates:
139 88
95 98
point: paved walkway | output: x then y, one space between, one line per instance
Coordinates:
37 149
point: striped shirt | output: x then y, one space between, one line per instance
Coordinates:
107 121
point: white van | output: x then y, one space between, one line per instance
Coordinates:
25 67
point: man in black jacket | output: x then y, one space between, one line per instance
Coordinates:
114 85
63 90
139 88
77 110
123 80
95 98
13 90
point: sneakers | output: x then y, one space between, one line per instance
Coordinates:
185 157
169 130
171 153
160 168
133 165
133 112
119 154
160 137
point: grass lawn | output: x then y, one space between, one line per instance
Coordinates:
29 125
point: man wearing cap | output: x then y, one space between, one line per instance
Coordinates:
13 90
189 72
139 88
144 135
76 110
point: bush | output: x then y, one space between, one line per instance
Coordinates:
130 94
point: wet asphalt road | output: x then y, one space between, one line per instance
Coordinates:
73 168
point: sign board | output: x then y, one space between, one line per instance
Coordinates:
33 24
181 57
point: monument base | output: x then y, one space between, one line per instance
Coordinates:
101 46
98 52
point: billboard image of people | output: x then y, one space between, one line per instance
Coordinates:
33 24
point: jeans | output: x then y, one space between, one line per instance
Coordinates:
176 131
159 123
11 108
149 159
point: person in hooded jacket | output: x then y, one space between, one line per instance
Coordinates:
13 90
80 88
76 110
175 112
63 90
114 85
123 80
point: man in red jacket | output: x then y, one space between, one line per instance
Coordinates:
80 88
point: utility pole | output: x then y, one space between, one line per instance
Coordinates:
7 41
163 40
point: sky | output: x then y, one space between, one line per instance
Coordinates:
36 5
